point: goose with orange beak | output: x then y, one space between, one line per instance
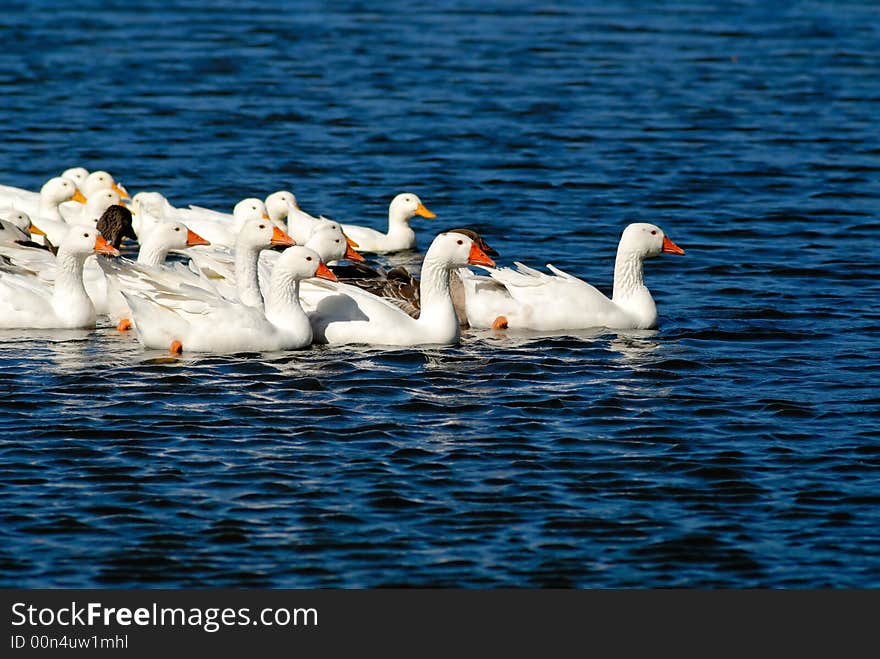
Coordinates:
101 180
341 313
528 299
400 236
221 229
147 280
28 302
203 322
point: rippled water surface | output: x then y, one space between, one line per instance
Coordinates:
738 445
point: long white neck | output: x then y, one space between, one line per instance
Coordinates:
49 209
247 276
630 292
398 224
299 225
153 252
69 299
283 308
437 311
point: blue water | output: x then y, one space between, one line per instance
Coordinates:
736 446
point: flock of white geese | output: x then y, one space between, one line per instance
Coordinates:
60 267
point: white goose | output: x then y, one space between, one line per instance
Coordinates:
400 235
52 193
55 191
528 299
277 205
255 236
10 234
341 313
76 174
201 322
148 209
153 251
28 302
88 213
221 228
328 241
164 238
101 180
18 218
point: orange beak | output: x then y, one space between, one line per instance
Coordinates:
350 242
670 247
479 257
424 212
352 255
122 192
281 238
37 231
193 239
323 272
103 247
78 196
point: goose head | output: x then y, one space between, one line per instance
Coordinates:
154 203
176 235
77 175
83 240
277 204
456 250
297 263
646 240
477 238
330 243
248 209
18 218
98 202
115 224
406 205
59 189
101 180
260 234
333 225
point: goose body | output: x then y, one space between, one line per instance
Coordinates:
402 288
202 322
28 302
400 235
341 313
148 279
528 299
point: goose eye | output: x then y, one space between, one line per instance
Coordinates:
337 241
460 242
85 235
177 228
653 232
262 226
308 258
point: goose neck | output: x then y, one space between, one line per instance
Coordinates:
152 253
247 275
69 277
283 308
630 292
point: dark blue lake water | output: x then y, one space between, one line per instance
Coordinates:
736 446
